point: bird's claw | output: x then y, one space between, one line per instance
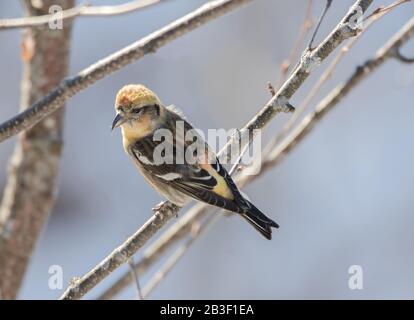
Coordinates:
165 207
159 207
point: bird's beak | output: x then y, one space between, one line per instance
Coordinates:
119 120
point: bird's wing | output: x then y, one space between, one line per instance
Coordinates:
200 177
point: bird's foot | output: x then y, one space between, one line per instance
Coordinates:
159 207
165 207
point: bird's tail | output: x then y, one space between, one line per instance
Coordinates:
259 221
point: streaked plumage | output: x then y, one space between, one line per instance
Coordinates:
140 114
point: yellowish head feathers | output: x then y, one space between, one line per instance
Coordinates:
135 120
135 95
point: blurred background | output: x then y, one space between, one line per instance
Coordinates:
342 198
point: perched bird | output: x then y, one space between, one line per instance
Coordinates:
189 174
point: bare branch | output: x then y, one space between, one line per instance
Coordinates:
118 60
382 9
82 10
278 103
271 88
30 191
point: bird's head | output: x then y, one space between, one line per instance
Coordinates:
138 110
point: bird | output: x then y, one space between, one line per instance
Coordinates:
153 133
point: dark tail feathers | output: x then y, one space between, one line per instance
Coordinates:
259 221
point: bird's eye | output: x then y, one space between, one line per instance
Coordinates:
136 110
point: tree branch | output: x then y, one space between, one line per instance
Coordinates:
278 103
82 10
87 77
31 187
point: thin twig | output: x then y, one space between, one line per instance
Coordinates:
285 66
114 62
134 275
277 103
399 56
382 10
271 88
321 18
84 10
